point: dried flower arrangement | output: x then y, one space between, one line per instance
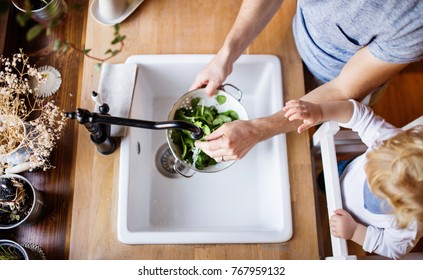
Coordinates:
29 126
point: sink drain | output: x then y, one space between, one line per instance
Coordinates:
165 161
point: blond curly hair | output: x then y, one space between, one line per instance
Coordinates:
394 171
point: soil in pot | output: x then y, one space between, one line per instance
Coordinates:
17 202
45 12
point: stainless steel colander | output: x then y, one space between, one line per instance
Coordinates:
232 103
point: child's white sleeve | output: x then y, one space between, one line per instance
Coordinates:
389 242
370 127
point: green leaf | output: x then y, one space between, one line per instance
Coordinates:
54 22
57 44
86 51
22 19
48 31
108 51
117 28
118 39
208 119
221 119
65 47
195 101
206 129
33 32
115 40
97 67
232 114
221 99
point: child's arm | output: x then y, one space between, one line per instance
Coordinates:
388 242
342 225
312 114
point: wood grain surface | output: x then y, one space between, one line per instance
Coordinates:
52 233
190 27
82 191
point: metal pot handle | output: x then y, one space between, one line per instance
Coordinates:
222 87
179 167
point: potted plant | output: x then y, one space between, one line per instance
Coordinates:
48 13
20 202
29 125
54 11
11 250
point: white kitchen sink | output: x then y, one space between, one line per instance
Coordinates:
248 202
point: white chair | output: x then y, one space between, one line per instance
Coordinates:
328 140
324 140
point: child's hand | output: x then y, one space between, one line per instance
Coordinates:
342 224
310 113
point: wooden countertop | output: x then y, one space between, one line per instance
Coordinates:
191 27
52 232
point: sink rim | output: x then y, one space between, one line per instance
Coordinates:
197 236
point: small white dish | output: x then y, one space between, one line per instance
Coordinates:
94 11
52 82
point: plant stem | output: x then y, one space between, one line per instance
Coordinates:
101 60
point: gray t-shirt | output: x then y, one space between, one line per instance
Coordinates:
329 32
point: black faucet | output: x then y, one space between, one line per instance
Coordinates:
98 124
99 132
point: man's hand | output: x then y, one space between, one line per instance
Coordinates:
212 76
231 141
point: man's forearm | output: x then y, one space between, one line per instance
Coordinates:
340 111
273 125
362 74
252 17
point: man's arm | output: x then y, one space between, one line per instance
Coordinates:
360 76
252 17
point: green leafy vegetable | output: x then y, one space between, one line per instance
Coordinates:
208 119
221 99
